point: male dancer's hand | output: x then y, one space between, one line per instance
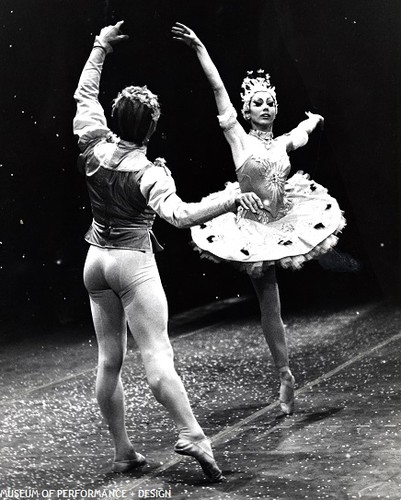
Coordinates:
249 201
112 34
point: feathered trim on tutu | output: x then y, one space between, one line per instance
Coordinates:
295 263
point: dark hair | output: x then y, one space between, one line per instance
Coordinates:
135 113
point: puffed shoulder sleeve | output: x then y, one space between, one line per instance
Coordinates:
229 119
158 187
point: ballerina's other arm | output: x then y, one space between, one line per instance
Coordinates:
234 132
298 137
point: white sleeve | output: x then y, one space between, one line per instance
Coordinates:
90 122
158 187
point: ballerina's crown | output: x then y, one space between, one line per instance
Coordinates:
252 84
143 95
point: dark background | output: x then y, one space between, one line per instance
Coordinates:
335 57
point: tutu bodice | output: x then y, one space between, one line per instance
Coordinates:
266 174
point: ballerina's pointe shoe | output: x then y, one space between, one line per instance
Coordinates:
287 392
129 465
202 451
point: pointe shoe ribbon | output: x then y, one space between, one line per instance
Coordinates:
202 452
128 465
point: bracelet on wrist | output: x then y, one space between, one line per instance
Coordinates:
98 46
103 45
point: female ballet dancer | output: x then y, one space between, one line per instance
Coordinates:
298 221
126 191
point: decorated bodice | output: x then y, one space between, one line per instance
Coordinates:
265 173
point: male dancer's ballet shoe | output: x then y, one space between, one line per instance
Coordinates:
287 398
129 465
202 451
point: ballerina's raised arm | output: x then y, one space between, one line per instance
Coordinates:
266 108
233 130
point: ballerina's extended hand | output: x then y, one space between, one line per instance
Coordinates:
319 118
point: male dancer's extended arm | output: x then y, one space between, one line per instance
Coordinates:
90 122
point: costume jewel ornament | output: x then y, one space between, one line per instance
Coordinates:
252 84
262 135
143 95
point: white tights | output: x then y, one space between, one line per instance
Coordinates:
124 287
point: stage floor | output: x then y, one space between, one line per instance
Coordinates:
342 442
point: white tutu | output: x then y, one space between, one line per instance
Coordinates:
307 230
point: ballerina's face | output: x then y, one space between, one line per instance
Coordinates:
263 110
